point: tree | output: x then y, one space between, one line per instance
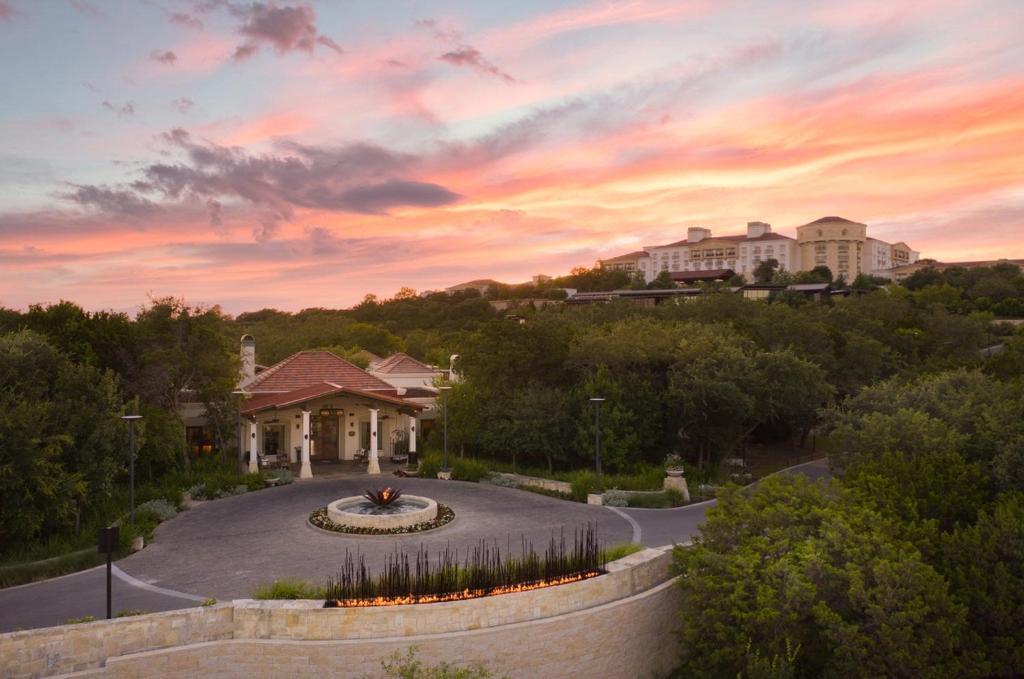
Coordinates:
59 426
663 281
819 274
985 567
796 565
621 435
186 355
766 270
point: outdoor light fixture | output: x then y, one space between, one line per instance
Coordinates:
597 401
131 462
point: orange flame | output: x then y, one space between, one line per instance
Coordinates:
464 594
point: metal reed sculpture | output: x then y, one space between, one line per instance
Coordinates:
484 571
382 497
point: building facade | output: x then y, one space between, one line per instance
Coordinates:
629 263
845 248
703 252
316 406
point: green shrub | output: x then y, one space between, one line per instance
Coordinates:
288 588
550 492
675 498
647 477
583 482
208 602
254 481
84 618
160 508
430 465
197 492
408 666
469 470
130 612
21 573
623 549
615 498
284 476
660 500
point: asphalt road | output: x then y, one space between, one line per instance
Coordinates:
224 549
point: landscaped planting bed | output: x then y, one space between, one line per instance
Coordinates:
319 518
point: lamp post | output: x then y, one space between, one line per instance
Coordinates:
131 462
444 398
597 438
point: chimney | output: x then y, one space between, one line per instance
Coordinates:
755 229
248 353
696 234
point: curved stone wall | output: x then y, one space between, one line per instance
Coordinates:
622 624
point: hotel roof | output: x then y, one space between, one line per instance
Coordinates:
307 368
402 364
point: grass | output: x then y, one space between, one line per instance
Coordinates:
288 588
621 550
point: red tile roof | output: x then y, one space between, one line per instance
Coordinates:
738 238
307 368
626 258
270 401
402 364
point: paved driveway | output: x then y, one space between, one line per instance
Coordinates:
223 549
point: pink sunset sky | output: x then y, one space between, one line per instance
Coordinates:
293 155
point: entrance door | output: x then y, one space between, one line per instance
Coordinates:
273 440
326 437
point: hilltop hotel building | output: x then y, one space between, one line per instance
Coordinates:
840 244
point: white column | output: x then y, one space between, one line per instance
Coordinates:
293 455
253 459
305 472
412 434
374 467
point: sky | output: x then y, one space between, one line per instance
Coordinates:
293 155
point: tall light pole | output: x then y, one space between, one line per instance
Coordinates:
131 462
597 438
444 404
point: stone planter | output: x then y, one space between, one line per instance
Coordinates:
676 482
674 472
138 543
445 475
595 499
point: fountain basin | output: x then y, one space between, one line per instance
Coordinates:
358 512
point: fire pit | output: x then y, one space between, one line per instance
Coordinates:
383 509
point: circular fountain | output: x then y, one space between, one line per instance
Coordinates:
385 510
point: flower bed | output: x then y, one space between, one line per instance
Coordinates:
319 518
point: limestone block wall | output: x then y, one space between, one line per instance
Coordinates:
68 648
537 482
622 624
633 639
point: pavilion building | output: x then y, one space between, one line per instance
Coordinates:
316 406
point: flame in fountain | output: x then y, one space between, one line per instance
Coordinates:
463 594
382 497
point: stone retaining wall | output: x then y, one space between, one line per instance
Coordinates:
538 482
617 625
